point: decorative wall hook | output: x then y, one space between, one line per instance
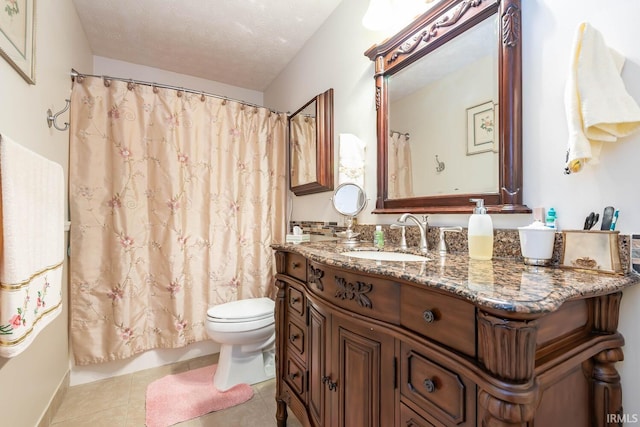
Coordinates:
440 166
51 118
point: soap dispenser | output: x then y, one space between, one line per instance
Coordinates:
480 232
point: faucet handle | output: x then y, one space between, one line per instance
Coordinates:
403 237
442 245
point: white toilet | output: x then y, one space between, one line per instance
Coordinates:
245 330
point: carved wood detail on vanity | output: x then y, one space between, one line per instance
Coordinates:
514 361
606 311
605 384
315 277
354 291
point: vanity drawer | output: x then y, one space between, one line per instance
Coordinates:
436 390
295 376
296 266
296 340
356 292
411 419
295 302
445 319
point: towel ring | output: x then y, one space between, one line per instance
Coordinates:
51 118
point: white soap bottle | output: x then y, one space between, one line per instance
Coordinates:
480 232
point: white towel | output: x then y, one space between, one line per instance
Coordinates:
351 160
598 107
31 245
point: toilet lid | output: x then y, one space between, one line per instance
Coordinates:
242 310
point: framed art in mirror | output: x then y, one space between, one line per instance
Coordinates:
441 80
311 146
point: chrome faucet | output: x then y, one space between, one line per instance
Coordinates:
422 225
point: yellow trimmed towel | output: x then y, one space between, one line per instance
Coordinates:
598 107
31 245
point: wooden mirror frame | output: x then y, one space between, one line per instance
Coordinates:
324 146
441 23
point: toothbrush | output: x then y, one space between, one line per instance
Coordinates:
614 220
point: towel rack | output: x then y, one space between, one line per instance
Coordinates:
51 118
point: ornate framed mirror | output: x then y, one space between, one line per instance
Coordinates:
311 146
449 110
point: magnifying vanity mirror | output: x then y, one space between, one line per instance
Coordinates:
349 200
311 146
449 91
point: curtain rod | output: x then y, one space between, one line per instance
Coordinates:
75 74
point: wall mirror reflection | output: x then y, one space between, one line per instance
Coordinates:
449 110
311 146
464 140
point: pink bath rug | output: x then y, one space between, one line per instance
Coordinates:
180 397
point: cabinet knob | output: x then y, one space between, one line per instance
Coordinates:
293 376
294 337
429 385
295 300
295 265
428 316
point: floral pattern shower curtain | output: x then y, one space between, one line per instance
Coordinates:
175 199
303 147
399 159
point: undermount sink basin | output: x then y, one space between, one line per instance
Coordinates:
385 256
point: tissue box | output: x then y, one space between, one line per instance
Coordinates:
298 238
591 250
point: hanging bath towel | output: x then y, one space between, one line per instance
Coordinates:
351 160
598 107
31 245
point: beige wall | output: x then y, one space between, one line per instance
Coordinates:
28 381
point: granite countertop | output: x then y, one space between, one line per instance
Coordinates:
503 283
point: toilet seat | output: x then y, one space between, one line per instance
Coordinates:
241 311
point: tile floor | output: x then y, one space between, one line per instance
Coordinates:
120 402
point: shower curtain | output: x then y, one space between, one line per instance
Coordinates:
303 149
175 198
399 163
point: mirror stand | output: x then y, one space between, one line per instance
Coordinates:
349 200
349 237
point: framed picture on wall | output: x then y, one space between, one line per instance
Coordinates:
17 38
481 128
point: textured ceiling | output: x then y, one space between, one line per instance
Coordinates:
244 43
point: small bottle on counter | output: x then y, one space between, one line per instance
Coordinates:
480 232
552 220
378 237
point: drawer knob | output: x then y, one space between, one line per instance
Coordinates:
295 265
429 385
295 300
293 376
428 316
294 337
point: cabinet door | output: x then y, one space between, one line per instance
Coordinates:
363 375
317 365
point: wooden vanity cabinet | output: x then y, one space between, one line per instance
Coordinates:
359 349
332 369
